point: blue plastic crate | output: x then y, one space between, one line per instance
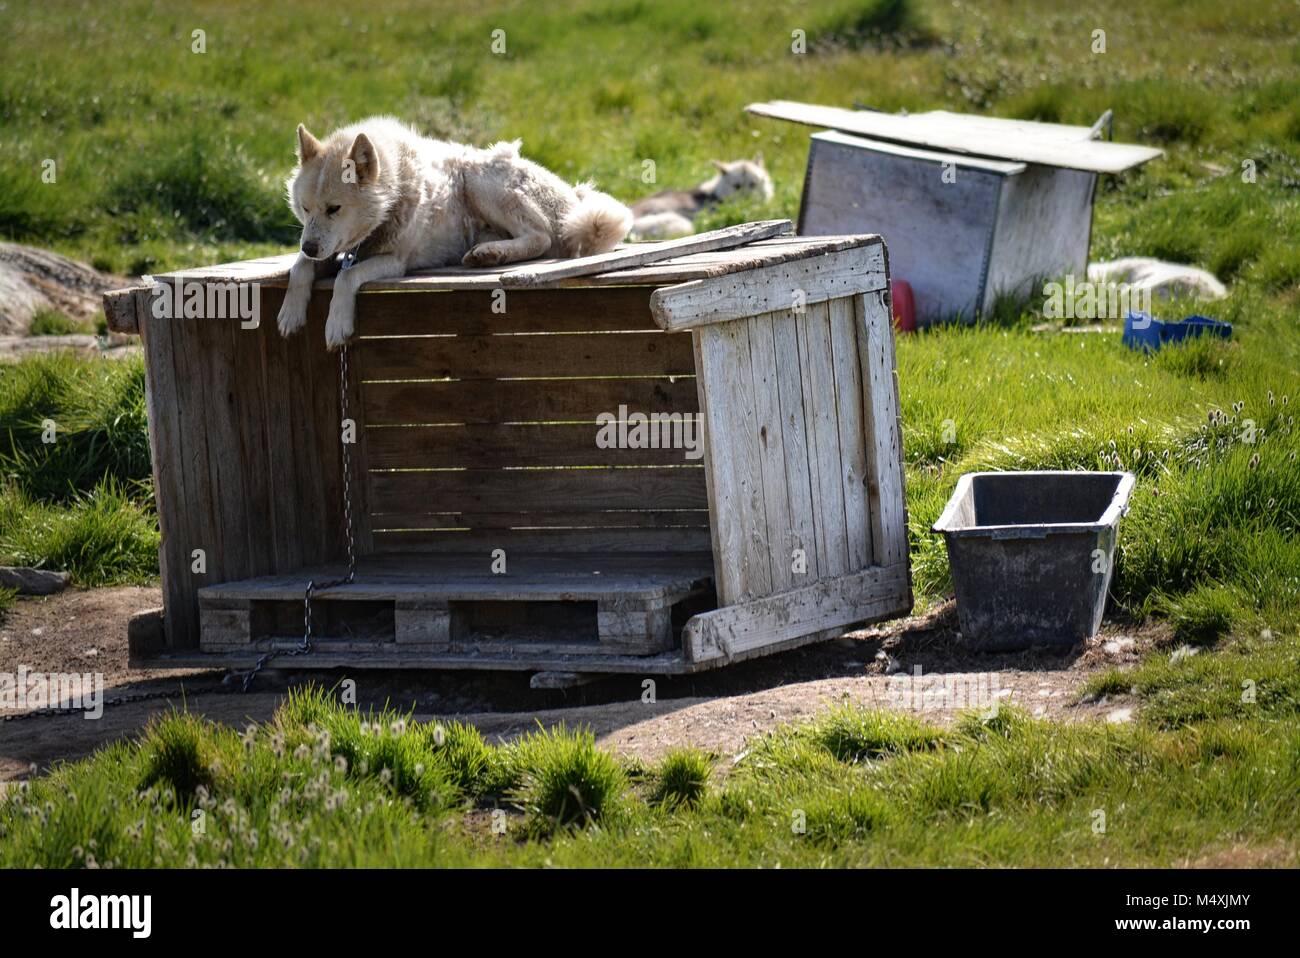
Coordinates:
1194 326
1144 332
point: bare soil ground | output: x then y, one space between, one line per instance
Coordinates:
85 631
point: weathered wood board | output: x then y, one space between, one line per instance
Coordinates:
1050 144
802 445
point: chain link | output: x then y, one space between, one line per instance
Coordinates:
305 646
124 700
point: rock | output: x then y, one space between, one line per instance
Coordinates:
32 581
34 279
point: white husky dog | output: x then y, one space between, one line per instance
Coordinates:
1164 280
670 213
401 201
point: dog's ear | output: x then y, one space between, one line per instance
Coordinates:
364 158
308 145
722 167
758 159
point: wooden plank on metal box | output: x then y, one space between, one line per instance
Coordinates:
983 136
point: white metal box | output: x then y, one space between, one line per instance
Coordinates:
970 207
961 230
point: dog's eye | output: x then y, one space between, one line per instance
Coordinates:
331 210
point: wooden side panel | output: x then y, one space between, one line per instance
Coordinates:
735 482
493 311
513 356
886 495
851 421
244 431
171 496
770 451
818 373
800 474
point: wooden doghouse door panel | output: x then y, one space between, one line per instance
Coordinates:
805 455
803 448
788 448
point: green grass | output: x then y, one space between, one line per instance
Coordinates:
566 781
75 488
51 322
66 423
7 599
1211 545
682 778
176 158
999 790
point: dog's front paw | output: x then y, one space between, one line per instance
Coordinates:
339 325
482 255
293 315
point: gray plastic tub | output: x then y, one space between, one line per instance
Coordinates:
1032 553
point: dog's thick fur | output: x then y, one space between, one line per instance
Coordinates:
670 213
1164 280
403 201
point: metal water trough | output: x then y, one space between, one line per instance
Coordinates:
1032 553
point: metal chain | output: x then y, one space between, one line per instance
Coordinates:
124 700
305 645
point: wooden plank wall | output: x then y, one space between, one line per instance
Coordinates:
244 432
803 445
480 424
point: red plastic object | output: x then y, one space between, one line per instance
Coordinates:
900 291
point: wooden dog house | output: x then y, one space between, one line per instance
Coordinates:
493 531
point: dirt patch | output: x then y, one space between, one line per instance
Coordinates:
85 631
1280 854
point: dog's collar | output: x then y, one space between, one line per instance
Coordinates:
349 258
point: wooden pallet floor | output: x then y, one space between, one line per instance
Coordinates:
454 611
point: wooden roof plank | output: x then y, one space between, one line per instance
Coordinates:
1021 140
643 254
682 266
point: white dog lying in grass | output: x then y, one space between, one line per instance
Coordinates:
671 213
1164 280
401 201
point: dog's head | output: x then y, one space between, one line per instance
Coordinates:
740 177
336 192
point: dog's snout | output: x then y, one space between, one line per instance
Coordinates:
310 247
